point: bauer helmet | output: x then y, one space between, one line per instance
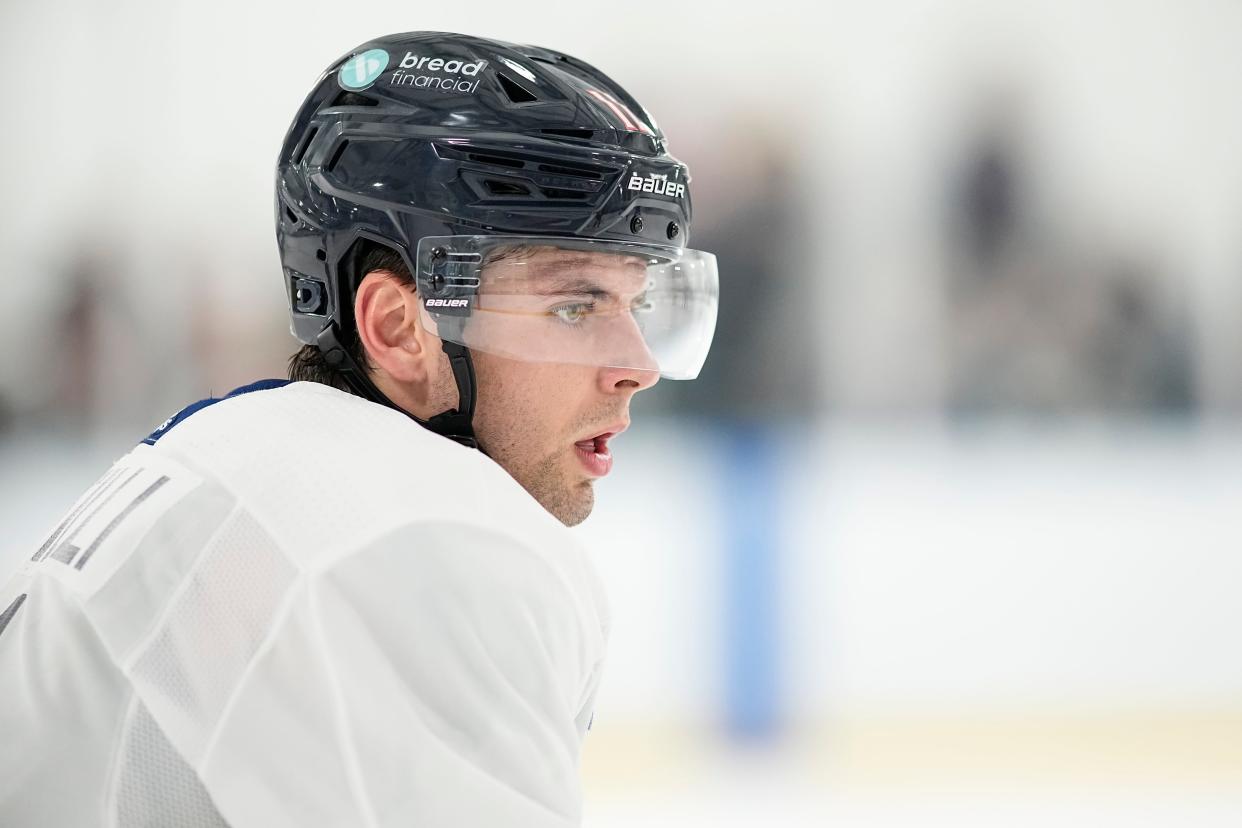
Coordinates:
532 199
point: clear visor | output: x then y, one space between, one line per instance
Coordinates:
580 301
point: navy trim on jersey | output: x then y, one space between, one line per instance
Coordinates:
167 425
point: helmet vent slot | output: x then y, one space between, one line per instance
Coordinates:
306 142
581 134
293 219
498 160
576 172
336 156
556 192
505 188
517 94
347 98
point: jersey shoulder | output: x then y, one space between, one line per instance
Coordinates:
327 473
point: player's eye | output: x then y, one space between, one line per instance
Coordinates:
574 313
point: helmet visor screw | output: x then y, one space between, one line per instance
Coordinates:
673 229
636 225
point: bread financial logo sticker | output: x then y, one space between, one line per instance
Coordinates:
360 71
452 75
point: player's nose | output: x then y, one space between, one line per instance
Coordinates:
614 379
633 366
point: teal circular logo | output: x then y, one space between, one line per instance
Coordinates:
360 71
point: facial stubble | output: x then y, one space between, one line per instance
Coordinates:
515 434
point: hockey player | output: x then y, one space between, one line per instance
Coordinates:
353 601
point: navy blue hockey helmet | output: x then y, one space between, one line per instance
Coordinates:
480 162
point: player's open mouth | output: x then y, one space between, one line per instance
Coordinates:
594 453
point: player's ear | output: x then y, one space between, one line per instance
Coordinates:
386 312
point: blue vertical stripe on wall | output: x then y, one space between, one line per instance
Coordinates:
750 507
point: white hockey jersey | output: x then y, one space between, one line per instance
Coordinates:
294 607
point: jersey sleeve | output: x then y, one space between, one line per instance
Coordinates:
438 677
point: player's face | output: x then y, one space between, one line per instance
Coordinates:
549 424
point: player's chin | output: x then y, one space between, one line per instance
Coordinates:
577 505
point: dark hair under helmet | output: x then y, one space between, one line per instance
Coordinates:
429 134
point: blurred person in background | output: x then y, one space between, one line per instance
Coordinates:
350 597
1040 324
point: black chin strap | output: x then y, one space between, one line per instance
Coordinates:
455 424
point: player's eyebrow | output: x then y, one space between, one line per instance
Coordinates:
572 285
565 276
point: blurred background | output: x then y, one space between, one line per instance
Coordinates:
947 533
